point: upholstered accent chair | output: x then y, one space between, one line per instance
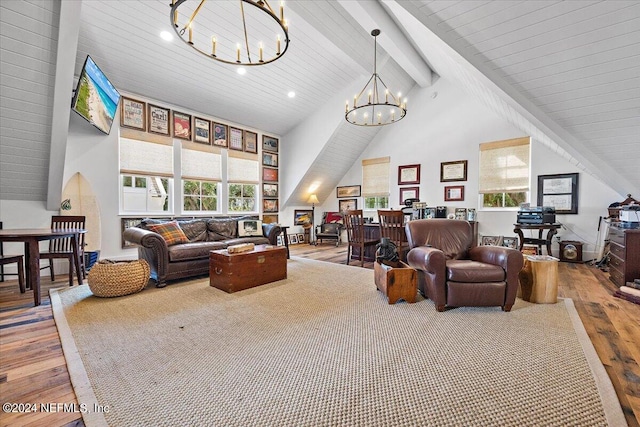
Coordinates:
453 274
331 228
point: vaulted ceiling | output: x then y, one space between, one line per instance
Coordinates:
567 73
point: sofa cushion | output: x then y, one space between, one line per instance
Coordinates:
473 272
249 227
170 232
195 229
222 229
255 240
196 250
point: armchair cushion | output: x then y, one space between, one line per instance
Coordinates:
170 232
330 229
473 272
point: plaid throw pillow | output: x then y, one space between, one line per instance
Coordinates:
170 232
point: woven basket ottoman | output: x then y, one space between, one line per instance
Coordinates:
118 278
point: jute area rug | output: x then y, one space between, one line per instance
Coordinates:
324 348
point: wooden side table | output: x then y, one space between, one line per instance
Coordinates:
553 229
539 279
396 282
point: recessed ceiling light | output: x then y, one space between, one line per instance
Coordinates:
291 94
242 71
166 36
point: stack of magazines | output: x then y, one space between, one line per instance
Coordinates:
630 292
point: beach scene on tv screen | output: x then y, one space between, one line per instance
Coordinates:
97 99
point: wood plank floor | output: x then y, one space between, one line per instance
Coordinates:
33 370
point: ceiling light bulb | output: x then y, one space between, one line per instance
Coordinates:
291 94
166 36
242 71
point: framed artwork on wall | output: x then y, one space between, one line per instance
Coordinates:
408 174
250 142
302 216
270 174
269 143
235 139
270 159
158 119
348 191
269 190
453 171
202 129
347 205
559 191
270 205
270 219
220 134
409 193
454 193
181 126
133 114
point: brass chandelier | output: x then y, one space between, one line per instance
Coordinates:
375 105
252 53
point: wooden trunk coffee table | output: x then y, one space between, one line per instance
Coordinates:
244 270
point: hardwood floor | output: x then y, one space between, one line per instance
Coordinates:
33 369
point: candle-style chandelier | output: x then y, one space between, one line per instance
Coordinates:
251 51
369 107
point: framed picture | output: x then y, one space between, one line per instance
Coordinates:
235 139
453 171
269 143
201 130
270 219
293 239
559 191
158 119
269 190
133 114
409 193
347 205
181 125
269 159
302 217
280 240
510 242
250 142
301 238
454 193
348 191
220 134
491 240
270 205
408 174
461 213
270 174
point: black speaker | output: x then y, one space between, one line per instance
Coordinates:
570 251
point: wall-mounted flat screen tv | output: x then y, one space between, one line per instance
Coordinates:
95 98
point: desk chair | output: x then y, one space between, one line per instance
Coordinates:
354 220
63 248
10 259
392 227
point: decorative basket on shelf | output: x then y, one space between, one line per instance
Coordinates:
118 278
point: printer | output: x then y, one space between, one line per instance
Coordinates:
537 215
630 213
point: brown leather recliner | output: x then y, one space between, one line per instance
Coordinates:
450 273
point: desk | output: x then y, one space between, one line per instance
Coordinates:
31 238
553 229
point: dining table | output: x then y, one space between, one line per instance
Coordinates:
31 237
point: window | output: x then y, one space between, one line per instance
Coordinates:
199 196
146 172
201 175
243 177
375 185
504 173
242 198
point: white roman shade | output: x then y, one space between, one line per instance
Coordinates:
242 168
201 162
504 166
146 158
375 177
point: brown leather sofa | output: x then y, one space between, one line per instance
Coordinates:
192 258
453 274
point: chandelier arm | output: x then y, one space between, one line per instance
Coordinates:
269 6
193 16
364 88
244 25
397 101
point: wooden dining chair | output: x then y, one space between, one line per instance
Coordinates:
354 220
63 248
392 227
10 259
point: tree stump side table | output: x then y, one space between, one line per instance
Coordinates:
539 279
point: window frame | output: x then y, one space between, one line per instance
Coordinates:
256 198
201 212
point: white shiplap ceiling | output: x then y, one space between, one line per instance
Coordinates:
565 72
